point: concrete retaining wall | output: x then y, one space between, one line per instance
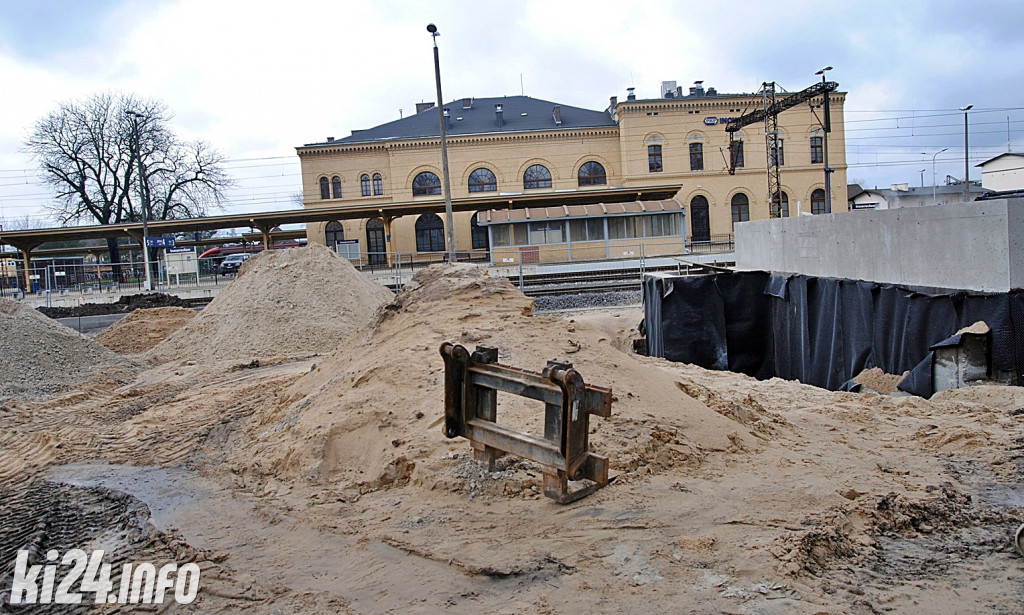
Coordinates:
974 246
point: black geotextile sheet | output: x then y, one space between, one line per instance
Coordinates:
820 331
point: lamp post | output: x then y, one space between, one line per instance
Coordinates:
143 194
826 128
967 167
444 148
933 171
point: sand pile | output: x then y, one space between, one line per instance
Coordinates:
282 303
370 416
878 381
41 356
144 329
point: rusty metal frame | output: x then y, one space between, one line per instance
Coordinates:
471 385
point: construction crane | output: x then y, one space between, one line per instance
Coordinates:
769 114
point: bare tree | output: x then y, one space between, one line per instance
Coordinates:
87 152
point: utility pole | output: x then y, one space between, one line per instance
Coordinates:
967 166
444 148
144 194
826 128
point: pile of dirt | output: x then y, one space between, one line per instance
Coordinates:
143 329
369 416
41 356
878 381
282 303
123 305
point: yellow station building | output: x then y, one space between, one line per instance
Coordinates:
518 145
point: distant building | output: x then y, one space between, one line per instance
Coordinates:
903 195
1003 173
519 145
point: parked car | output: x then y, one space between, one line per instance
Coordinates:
231 263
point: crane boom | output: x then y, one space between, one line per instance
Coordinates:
781 105
769 114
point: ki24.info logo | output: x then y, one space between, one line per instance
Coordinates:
82 573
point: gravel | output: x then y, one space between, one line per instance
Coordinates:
550 303
39 356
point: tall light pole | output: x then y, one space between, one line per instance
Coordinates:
143 194
967 166
826 128
444 148
934 202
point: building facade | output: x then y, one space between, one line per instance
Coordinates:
1003 173
521 145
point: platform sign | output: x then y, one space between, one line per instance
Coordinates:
181 261
348 248
160 242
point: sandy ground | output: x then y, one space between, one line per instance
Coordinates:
325 485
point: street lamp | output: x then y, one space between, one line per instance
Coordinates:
934 202
135 115
444 147
967 168
826 128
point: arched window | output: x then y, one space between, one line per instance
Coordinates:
378 184
818 202
480 239
325 188
426 183
333 233
429 233
482 180
737 150
654 159
336 186
592 174
700 219
696 156
784 201
364 184
740 208
537 176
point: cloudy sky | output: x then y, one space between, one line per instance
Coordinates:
257 78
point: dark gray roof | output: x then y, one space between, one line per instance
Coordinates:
519 114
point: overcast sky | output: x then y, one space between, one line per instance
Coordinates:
257 78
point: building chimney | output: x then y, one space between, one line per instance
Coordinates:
613 102
557 114
467 103
330 139
629 94
679 92
447 120
423 106
498 115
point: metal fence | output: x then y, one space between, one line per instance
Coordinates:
74 276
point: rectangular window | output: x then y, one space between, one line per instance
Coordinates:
696 156
546 232
779 154
510 234
662 225
590 229
817 151
626 227
502 234
737 154
654 158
